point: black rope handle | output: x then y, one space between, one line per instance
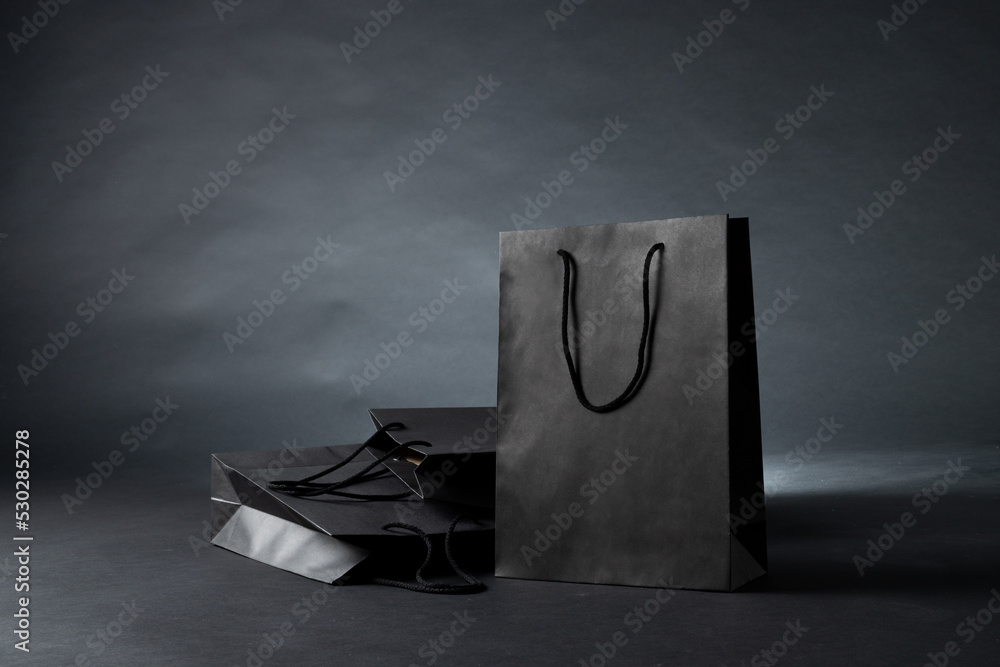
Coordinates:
472 584
306 487
568 264
294 488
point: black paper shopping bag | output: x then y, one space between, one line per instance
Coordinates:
615 464
324 535
457 463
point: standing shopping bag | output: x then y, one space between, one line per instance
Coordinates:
628 382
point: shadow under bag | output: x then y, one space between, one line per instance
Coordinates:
630 449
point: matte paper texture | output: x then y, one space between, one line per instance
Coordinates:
641 495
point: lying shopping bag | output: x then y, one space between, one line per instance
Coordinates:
460 466
642 486
321 512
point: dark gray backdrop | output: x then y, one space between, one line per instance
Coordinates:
555 85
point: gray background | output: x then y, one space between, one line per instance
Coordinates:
324 176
